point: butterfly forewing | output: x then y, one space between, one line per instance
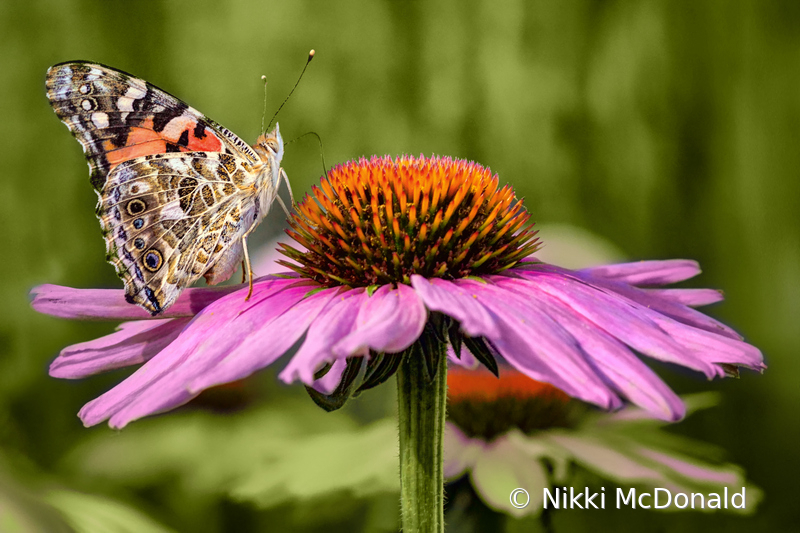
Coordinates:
176 190
117 117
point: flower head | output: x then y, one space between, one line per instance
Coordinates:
384 221
500 450
400 257
485 406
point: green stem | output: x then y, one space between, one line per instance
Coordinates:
421 411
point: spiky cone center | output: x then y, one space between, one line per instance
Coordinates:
378 221
486 406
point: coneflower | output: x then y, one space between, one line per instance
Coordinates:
402 258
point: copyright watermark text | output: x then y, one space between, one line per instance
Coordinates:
520 498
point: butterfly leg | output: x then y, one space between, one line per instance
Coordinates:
283 206
247 266
286 180
244 272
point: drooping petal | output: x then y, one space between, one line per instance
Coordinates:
647 273
626 463
663 301
667 305
598 456
280 332
667 302
335 322
162 382
133 343
635 325
715 349
455 301
695 470
110 304
389 321
539 347
688 297
617 365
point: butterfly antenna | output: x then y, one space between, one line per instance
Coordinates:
264 113
321 148
310 57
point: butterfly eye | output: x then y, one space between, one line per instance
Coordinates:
273 145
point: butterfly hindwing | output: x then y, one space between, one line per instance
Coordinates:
170 218
117 117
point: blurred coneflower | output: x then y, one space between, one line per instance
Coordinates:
399 259
515 432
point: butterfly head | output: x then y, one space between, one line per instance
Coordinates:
270 145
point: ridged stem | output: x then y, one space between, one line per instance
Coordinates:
421 410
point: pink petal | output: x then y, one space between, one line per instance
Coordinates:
711 348
455 301
669 307
624 319
328 383
706 338
161 383
334 323
653 273
133 343
664 301
389 321
110 304
467 360
688 297
265 340
617 365
539 347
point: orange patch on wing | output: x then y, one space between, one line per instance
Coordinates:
209 143
126 153
176 127
143 140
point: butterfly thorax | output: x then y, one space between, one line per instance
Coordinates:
269 148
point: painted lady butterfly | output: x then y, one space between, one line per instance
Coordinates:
178 193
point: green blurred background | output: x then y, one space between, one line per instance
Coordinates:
670 128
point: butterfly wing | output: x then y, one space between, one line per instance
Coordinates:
117 117
170 218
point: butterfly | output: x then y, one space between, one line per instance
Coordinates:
178 194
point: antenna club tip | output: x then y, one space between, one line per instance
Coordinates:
263 77
311 54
